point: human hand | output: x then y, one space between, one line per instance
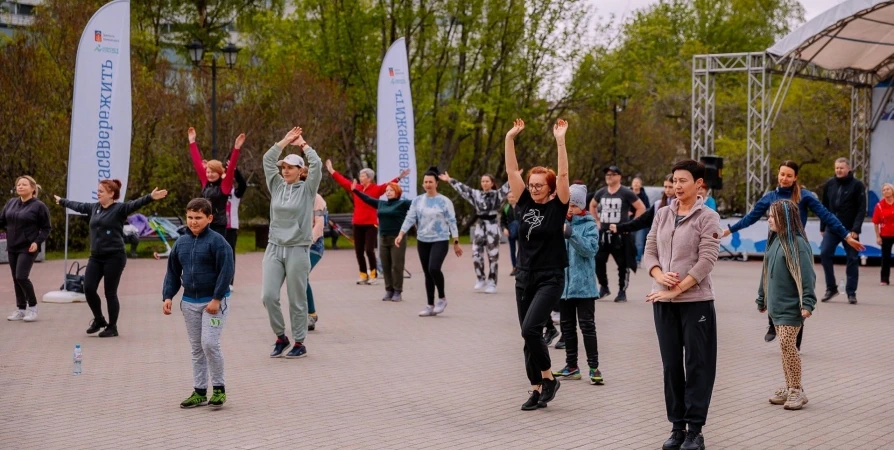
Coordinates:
805 313
213 307
613 228
506 232
398 239
156 256
458 250
191 134
559 129
517 126
404 173
878 240
329 167
726 233
159 194
166 307
57 198
33 247
854 235
855 244
663 296
300 142
667 279
445 177
290 137
239 141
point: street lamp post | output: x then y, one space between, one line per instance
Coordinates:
196 52
618 105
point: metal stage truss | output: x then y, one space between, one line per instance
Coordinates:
765 102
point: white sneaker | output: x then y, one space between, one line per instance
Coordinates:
31 314
18 315
555 317
491 287
232 289
479 285
428 311
440 306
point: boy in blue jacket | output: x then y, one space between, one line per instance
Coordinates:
578 304
202 263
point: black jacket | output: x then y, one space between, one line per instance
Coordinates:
107 224
846 199
25 223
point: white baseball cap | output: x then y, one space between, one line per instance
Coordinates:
292 160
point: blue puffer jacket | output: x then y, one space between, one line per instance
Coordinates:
202 265
580 276
808 201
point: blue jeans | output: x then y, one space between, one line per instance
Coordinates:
827 253
314 259
640 237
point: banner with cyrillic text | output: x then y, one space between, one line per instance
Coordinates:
395 141
101 110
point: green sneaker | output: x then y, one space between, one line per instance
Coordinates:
571 373
218 398
596 377
194 400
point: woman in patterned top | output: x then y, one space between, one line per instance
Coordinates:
435 222
486 231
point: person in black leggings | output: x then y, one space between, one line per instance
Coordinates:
107 254
542 258
435 222
27 223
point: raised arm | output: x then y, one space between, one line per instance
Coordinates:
760 208
226 186
516 183
366 199
83 208
464 191
562 184
129 207
825 216
340 179
196 156
314 166
641 222
271 172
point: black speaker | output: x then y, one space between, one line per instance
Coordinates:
713 171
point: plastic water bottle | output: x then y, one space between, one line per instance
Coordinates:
78 356
842 283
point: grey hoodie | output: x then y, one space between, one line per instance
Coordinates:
292 205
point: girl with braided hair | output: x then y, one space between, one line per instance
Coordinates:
786 291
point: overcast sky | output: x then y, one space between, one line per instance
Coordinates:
622 8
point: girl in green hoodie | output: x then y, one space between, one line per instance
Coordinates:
786 290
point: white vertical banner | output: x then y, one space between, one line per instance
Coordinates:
396 137
101 110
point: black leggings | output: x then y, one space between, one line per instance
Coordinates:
232 236
432 255
887 243
536 293
20 264
109 267
583 311
365 242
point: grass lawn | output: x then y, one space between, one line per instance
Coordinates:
245 244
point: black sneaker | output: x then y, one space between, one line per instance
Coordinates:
622 296
852 299
298 351
694 441
829 294
771 334
280 346
549 389
533 402
551 334
675 440
604 291
97 325
560 345
110 331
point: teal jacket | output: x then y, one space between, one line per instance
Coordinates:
781 298
582 245
292 205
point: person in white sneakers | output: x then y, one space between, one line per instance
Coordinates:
27 223
486 231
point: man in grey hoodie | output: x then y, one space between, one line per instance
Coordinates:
287 258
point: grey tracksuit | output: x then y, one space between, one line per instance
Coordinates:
287 258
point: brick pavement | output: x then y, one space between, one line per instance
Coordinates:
378 376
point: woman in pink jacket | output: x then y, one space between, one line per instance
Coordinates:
681 250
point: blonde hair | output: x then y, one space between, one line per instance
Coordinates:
788 225
31 181
215 166
887 185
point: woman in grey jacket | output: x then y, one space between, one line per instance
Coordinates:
287 258
681 250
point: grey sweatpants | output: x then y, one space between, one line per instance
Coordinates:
204 331
292 266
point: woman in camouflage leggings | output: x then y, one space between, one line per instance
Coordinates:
486 231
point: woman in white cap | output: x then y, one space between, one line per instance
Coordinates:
287 258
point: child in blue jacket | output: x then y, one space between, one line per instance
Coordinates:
578 304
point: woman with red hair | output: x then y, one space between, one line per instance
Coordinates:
542 258
391 215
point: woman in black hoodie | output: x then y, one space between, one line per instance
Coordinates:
27 223
107 254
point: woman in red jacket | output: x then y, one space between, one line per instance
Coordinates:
217 182
883 220
365 218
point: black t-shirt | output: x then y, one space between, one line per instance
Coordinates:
614 208
541 236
